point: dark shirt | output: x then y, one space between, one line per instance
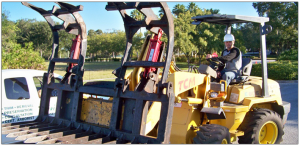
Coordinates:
234 53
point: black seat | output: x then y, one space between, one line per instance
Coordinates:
245 71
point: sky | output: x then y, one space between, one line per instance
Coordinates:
96 17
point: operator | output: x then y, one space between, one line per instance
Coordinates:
232 57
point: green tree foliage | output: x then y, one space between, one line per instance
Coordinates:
284 20
13 54
19 57
189 39
8 31
37 32
65 44
250 36
183 31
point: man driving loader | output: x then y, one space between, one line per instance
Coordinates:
232 57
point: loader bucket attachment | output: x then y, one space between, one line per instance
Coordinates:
129 108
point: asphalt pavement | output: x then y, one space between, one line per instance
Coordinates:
289 92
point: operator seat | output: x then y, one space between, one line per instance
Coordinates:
245 72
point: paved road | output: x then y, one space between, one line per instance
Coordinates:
289 93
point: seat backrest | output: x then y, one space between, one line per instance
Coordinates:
246 66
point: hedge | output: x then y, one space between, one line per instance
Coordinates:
280 70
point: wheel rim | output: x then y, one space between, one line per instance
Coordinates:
268 133
224 141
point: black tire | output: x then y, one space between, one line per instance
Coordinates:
255 122
212 134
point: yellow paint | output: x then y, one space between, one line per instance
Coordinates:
183 118
251 93
96 111
194 101
153 116
234 117
268 133
135 75
184 81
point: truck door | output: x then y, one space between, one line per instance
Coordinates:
18 105
38 81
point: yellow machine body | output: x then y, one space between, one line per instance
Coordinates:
240 99
191 95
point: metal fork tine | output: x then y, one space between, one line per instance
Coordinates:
15 134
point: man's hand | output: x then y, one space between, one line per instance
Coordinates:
219 74
208 56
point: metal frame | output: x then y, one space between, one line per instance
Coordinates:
228 20
69 98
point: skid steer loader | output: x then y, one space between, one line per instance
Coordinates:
156 102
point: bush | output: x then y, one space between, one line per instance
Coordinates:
116 59
22 58
181 59
291 54
281 70
194 60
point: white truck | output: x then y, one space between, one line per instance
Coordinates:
21 93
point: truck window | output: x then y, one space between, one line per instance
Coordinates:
16 88
38 81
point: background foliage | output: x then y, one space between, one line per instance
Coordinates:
28 42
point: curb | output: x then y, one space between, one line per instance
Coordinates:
287 81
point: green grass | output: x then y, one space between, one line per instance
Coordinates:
93 70
103 70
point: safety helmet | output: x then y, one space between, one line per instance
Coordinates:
228 38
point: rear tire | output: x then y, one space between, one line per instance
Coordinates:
261 126
212 134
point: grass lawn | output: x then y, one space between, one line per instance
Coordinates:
93 70
103 70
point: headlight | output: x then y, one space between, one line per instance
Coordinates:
213 94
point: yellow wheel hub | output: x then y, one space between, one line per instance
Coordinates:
268 133
224 141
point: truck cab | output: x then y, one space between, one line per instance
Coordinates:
21 93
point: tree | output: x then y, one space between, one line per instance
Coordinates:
19 57
183 32
137 15
207 37
284 20
8 31
251 35
37 32
65 43
14 55
178 9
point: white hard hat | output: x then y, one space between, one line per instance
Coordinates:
228 38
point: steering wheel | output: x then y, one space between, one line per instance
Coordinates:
215 62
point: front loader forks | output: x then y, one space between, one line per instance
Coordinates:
129 104
150 81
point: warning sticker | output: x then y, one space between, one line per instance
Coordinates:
177 104
234 97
